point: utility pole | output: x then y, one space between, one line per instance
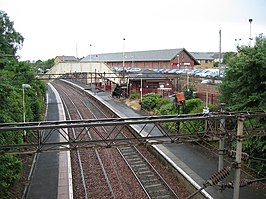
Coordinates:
239 137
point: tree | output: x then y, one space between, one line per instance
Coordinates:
228 56
244 84
10 40
244 88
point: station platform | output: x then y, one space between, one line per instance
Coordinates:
51 176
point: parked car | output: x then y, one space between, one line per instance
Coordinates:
133 70
195 72
173 71
211 72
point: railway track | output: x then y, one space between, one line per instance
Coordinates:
151 181
120 165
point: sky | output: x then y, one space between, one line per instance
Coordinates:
79 27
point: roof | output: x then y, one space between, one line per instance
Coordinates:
67 58
150 55
148 74
202 55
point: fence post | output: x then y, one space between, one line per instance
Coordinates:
239 137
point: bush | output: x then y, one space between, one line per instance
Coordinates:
10 168
134 95
11 110
149 100
189 91
192 104
168 109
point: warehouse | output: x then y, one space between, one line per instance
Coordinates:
153 59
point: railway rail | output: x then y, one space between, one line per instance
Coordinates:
155 187
114 126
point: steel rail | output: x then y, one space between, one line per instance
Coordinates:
95 150
78 155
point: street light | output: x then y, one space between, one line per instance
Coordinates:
250 38
24 108
90 53
206 108
132 58
140 86
124 54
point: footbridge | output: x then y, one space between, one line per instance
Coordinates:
89 72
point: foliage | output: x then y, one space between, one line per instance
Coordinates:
256 148
149 100
10 40
189 91
134 94
12 75
244 83
228 56
244 88
10 167
42 66
168 109
192 104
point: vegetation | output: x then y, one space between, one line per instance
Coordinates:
42 66
134 95
244 88
227 57
10 40
12 75
244 85
189 91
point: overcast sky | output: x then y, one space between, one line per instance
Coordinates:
68 27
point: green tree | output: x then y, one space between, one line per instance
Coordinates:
12 75
228 56
244 84
244 88
10 40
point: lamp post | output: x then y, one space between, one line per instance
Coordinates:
132 58
250 38
24 108
90 52
206 109
141 86
124 54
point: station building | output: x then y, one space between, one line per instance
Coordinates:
178 58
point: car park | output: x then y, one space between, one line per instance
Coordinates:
212 72
172 71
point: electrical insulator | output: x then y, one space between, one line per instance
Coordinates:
232 153
244 156
219 176
242 183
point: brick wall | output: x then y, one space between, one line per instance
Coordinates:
200 88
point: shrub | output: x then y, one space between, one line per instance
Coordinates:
149 100
134 95
168 109
192 104
10 168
